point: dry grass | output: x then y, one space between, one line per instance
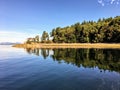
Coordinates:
69 45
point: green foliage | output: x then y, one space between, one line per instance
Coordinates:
37 39
102 31
45 36
33 40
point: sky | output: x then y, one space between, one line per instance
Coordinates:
20 19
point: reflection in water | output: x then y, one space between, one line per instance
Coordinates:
104 59
79 69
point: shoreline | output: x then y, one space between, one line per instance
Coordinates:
69 45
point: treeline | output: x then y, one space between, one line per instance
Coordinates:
101 31
37 39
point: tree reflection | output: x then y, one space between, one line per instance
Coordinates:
34 51
45 52
105 59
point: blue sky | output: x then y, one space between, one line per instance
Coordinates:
20 19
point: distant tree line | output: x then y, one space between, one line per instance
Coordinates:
36 39
101 31
44 39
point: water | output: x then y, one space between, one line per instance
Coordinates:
59 69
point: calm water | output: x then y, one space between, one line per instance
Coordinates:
59 69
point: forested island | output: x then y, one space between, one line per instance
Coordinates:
106 30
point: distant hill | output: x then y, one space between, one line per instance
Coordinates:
8 43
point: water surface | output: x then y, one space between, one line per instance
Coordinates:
59 69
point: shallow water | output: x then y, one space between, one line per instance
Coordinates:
59 69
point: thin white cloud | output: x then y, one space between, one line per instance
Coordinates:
112 1
117 3
108 2
101 2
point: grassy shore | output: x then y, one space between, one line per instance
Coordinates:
68 45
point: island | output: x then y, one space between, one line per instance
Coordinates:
104 33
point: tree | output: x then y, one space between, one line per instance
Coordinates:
30 40
45 36
37 39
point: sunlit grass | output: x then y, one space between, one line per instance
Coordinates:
68 45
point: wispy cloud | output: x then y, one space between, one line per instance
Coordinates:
101 2
108 2
117 3
112 1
